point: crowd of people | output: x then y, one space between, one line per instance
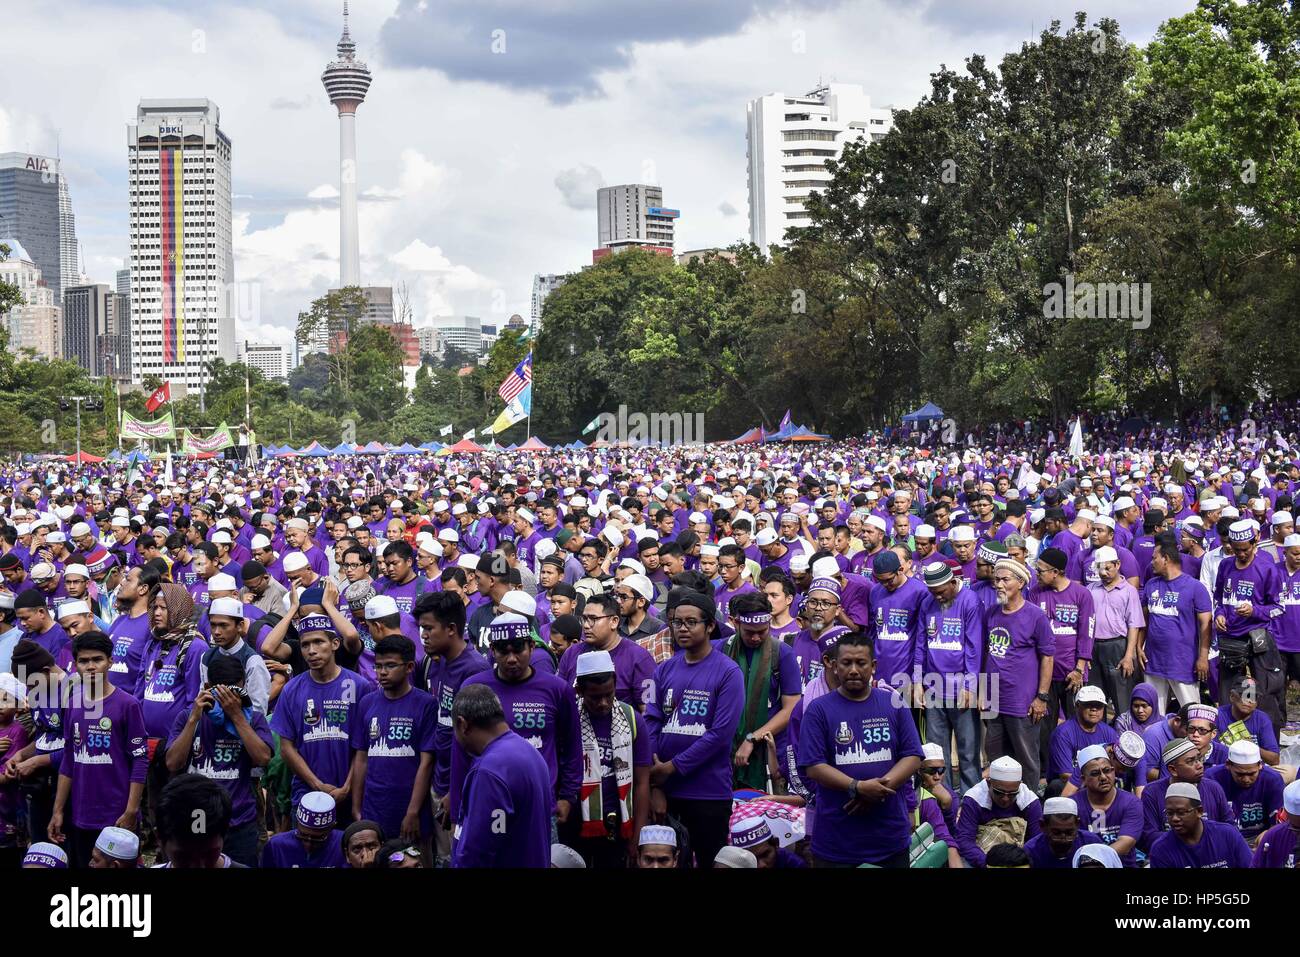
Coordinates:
770 656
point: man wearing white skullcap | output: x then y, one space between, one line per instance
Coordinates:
1061 837
1254 790
1002 796
1193 841
657 847
936 805
116 848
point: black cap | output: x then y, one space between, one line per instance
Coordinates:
29 598
9 561
494 564
564 590
568 626
1055 557
252 569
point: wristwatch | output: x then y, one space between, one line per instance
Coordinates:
1043 697
853 787
750 737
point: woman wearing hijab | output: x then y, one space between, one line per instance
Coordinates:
170 679
1143 711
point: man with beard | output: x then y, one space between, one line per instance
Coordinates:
821 605
1019 659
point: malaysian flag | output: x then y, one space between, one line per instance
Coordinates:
517 381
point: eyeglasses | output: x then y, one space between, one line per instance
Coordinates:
1200 732
1101 773
1005 794
818 604
623 596
389 666
592 619
352 565
685 623
938 770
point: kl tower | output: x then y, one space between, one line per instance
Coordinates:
346 81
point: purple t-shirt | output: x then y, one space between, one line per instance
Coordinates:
1122 819
951 641
1220 846
863 739
1070 611
894 627
221 756
807 656
444 681
168 686
1068 739
634 669
318 717
286 851
394 733
1171 609
1042 856
1286 626
1016 643
1277 848
1214 803
693 716
724 596
104 752
544 712
129 635
505 808
1254 809
1257 583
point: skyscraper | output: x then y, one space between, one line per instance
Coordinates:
85 323
346 81
37 323
543 286
633 215
790 138
182 260
36 209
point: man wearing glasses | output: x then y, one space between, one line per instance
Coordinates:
539 707
1184 765
731 566
1106 810
935 804
633 665
1002 796
634 594
1087 727
822 606
694 709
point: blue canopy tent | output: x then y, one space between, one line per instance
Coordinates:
342 449
405 448
316 450
431 446
926 413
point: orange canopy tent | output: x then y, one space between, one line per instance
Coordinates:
86 458
465 445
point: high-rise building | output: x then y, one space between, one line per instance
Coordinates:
427 337
85 323
36 209
790 138
36 324
114 350
182 260
346 81
633 215
271 361
124 281
464 333
543 285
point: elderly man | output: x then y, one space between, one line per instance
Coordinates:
1019 661
1118 621
1193 841
1001 801
1245 592
949 656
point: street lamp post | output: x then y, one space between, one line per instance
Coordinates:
91 404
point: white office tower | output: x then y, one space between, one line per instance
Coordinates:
790 138
182 260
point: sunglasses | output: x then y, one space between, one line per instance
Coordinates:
938 770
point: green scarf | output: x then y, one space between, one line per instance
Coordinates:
757 669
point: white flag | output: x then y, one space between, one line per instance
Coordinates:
446 430
469 435
1076 439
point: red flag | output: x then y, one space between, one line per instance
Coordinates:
162 394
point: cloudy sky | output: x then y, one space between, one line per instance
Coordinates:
488 126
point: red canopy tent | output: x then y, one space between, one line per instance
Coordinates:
86 458
534 444
465 445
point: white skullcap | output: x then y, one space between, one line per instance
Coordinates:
229 607
657 834
76 607
1181 789
222 582
76 568
545 548
1060 805
877 522
261 541
1291 798
526 514
825 568
1104 520
641 585
520 602
298 523
962 533
221 538
294 561
118 843
80 529
1105 554
595 663
1244 752
925 531
931 752
799 563
381 606
1282 518
430 546
1007 770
